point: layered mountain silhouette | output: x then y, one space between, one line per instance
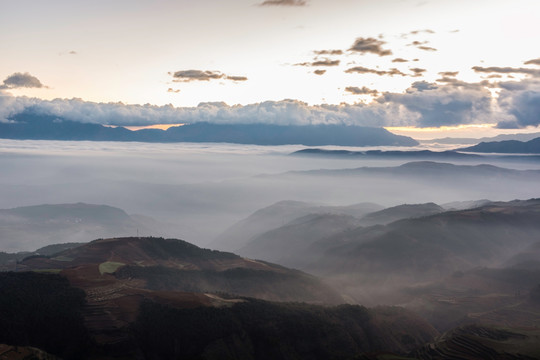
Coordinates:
279 214
46 127
41 225
507 146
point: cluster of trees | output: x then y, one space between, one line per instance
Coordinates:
43 311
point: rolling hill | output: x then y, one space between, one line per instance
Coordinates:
507 147
151 298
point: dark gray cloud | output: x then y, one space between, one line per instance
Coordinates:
361 91
370 45
443 105
236 78
427 48
417 71
364 70
323 62
520 100
533 62
21 80
319 72
200 75
449 73
283 3
507 70
421 86
422 45
399 60
452 81
328 52
418 43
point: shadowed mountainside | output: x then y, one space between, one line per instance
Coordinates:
279 214
47 127
508 146
146 296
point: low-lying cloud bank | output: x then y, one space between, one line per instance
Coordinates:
422 105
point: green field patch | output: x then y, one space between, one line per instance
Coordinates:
109 267
48 271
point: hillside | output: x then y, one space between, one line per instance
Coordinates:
287 244
280 214
384 258
170 264
508 147
143 295
405 211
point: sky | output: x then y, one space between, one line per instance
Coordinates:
471 67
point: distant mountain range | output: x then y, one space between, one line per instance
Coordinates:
402 245
27 227
507 147
46 127
502 137
512 147
415 154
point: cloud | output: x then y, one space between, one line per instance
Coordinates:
507 70
171 90
21 80
328 52
421 86
427 48
399 60
443 105
370 45
319 72
283 3
364 70
236 78
417 71
200 75
449 73
284 112
416 32
361 91
323 62
521 102
72 52
422 45
418 43
532 62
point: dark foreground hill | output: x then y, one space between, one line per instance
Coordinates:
155 298
176 265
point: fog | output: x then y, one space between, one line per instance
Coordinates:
202 189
